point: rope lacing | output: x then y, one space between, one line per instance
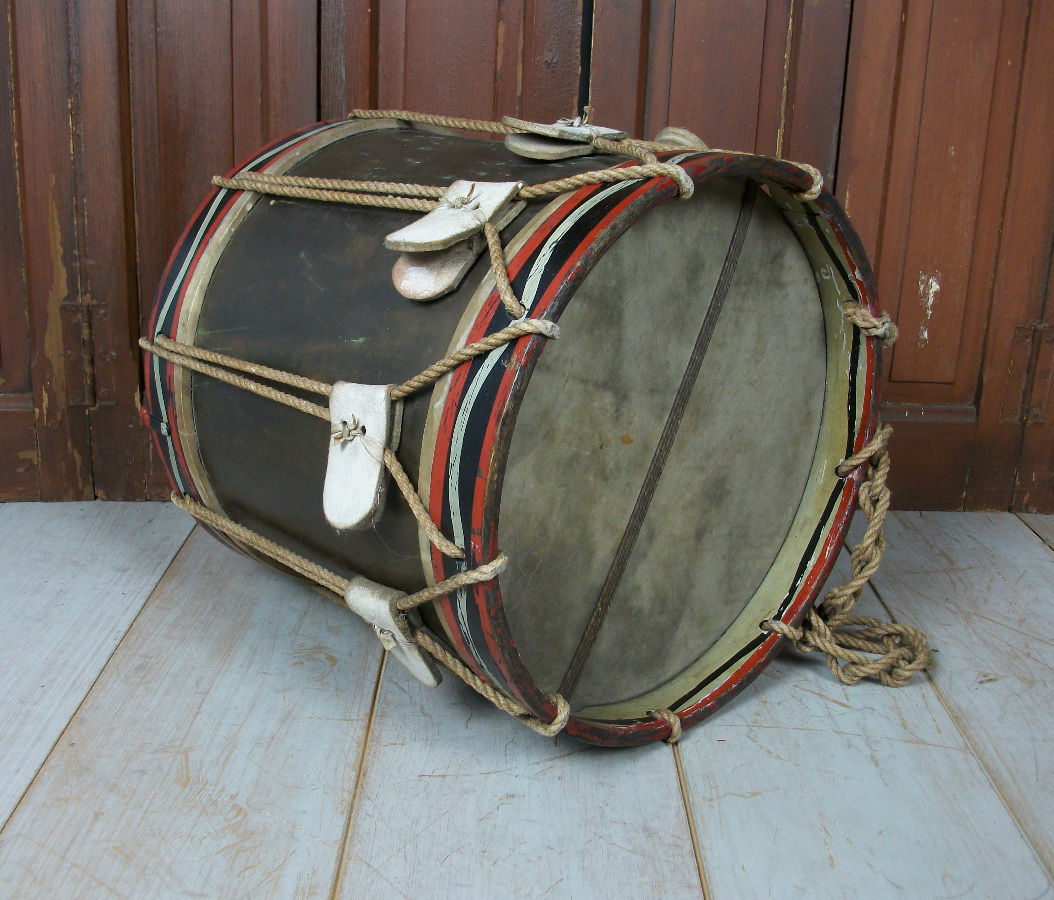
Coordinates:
337 585
857 647
220 366
425 198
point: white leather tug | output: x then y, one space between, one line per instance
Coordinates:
376 604
364 420
561 140
463 210
432 274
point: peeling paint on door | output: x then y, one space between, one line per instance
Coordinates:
929 288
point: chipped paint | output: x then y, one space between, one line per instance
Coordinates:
53 344
929 288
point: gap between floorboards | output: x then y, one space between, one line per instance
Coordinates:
346 835
98 675
964 734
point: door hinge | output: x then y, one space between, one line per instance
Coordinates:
90 362
77 342
1029 374
1043 375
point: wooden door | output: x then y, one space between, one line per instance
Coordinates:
932 120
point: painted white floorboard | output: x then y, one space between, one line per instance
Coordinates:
804 788
982 586
217 753
73 576
460 801
1041 525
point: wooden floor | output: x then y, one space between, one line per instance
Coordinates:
177 721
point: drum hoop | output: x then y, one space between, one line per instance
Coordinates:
475 622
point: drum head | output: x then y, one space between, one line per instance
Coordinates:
670 470
590 427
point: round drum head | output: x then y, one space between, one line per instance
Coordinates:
664 476
675 541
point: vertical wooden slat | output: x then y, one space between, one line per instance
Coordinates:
508 62
291 85
551 59
119 445
717 51
988 357
391 54
57 324
19 469
1026 264
812 123
660 67
248 21
619 64
870 95
347 56
14 328
450 57
778 62
194 101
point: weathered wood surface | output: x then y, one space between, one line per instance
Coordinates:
807 788
459 800
1043 526
72 579
982 587
228 748
215 756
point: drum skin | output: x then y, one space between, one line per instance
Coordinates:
306 287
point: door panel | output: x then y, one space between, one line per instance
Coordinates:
927 135
918 148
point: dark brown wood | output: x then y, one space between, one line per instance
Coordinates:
761 76
59 323
811 123
619 65
936 151
347 56
923 171
106 241
720 45
552 38
1026 261
14 324
19 464
19 469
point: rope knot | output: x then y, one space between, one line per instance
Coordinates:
880 327
550 729
348 431
468 202
670 718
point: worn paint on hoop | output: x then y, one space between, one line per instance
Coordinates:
473 414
